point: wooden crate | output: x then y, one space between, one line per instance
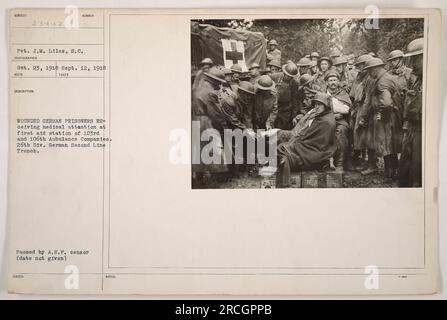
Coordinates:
306 179
334 180
312 179
268 182
295 180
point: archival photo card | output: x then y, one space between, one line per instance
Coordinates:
223 152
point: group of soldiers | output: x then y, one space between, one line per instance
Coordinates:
336 112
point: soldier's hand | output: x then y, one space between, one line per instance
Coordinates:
296 119
362 123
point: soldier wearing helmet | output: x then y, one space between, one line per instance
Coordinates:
236 74
314 56
275 66
306 92
237 108
410 163
255 72
205 66
273 53
335 53
360 118
313 69
226 88
207 97
207 113
287 89
266 104
304 64
346 76
310 144
398 69
386 105
324 65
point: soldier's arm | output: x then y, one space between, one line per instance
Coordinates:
385 99
230 116
249 115
295 98
215 113
272 117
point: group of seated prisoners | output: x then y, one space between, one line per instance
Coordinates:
336 112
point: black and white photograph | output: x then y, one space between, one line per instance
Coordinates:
307 103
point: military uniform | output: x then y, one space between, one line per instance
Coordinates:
410 163
347 79
358 94
309 144
206 106
206 110
236 112
265 109
274 55
386 105
319 80
287 100
342 125
404 76
253 80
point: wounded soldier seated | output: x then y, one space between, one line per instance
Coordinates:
310 144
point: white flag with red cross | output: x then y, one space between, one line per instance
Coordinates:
234 53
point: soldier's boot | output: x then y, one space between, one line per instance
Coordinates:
372 163
363 163
339 163
331 164
353 162
394 165
389 166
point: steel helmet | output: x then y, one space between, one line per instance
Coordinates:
227 71
290 69
395 54
273 42
373 62
363 58
216 74
340 60
325 59
206 61
254 65
305 79
247 87
335 53
321 97
415 47
265 83
235 68
275 63
304 62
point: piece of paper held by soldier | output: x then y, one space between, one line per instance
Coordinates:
143 154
